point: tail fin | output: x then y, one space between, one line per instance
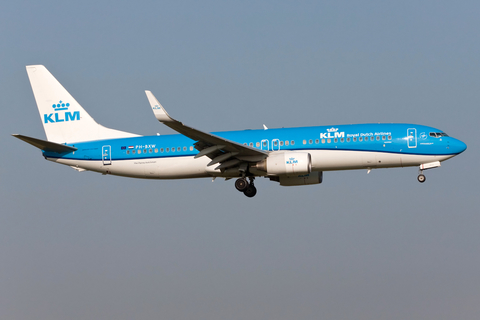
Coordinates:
63 118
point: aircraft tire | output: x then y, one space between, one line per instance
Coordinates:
241 184
251 191
421 178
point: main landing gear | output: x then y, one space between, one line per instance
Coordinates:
246 187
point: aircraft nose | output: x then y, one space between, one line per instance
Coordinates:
457 146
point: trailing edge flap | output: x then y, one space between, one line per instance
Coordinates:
45 145
208 139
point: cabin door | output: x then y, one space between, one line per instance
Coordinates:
412 137
107 155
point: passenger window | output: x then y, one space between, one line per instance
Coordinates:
341 140
316 141
275 143
293 142
348 139
133 151
383 137
329 140
150 151
156 150
178 149
355 139
323 140
389 137
281 143
128 151
161 150
264 143
378 138
168 149
360 139
184 148
251 144
371 138
173 149
310 141
336 140
258 144
191 148
304 141
286 142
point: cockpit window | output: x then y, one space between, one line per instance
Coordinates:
438 134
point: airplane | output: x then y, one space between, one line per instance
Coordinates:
290 156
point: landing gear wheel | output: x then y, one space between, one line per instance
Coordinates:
241 184
251 191
421 178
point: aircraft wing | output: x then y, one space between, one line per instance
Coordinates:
226 152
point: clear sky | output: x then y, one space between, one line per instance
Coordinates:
377 246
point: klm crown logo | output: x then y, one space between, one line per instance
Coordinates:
60 106
61 116
332 133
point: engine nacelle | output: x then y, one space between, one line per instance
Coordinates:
315 177
286 163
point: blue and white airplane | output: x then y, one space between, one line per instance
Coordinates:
290 156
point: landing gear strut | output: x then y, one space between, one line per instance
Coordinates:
247 188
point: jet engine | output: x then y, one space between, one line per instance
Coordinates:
286 163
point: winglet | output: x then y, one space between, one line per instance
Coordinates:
157 108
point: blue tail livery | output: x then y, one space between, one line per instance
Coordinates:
290 156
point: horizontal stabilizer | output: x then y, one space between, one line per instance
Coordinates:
45 145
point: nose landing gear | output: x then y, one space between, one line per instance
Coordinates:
421 178
247 188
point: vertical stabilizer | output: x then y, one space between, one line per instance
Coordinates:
63 118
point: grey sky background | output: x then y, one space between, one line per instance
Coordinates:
377 246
